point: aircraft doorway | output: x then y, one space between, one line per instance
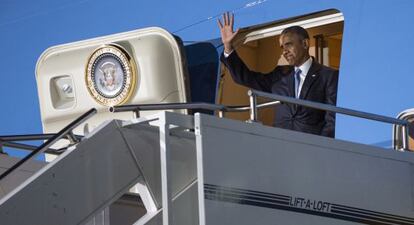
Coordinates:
258 46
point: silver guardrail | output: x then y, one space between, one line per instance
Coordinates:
253 94
221 109
277 99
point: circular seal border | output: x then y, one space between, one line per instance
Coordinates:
128 67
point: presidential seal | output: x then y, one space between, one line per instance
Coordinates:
110 75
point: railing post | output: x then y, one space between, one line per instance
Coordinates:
406 140
253 106
72 137
165 160
136 113
220 113
1 147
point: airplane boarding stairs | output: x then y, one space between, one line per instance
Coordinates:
204 170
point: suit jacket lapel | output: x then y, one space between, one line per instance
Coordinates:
310 78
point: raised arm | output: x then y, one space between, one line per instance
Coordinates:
240 73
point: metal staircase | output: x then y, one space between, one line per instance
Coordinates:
207 170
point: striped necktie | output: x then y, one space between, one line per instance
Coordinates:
297 82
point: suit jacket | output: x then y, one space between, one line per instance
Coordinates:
320 85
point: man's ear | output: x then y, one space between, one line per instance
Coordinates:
305 43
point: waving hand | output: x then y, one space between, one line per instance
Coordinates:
226 31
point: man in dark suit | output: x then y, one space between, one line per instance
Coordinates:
303 78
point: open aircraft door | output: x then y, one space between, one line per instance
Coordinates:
136 67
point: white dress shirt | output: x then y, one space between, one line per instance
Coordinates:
227 54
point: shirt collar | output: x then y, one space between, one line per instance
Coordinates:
305 67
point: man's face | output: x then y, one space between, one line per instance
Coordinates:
294 49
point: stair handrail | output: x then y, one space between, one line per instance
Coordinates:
68 130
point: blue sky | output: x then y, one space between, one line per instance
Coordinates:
27 28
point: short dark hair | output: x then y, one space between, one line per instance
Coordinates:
303 34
